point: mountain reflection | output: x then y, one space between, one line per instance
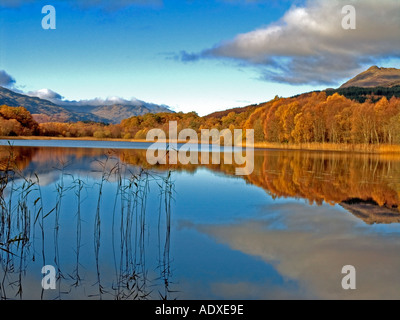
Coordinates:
366 185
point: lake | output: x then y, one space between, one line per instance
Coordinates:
114 227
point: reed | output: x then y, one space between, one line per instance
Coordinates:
340 147
24 209
167 190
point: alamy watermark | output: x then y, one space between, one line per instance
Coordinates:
349 280
165 150
49 278
49 20
349 20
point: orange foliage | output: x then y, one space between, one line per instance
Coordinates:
17 121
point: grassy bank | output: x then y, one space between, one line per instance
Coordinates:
344 147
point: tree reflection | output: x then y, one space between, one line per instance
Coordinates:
364 184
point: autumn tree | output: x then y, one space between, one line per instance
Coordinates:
17 121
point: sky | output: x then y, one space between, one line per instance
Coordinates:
192 55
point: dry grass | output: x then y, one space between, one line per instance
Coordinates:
342 147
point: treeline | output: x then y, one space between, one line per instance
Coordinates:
318 117
363 94
137 127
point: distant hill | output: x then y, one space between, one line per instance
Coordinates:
37 106
71 111
115 113
372 84
375 77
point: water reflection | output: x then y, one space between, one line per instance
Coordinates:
366 185
41 221
343 178
309 252
117 214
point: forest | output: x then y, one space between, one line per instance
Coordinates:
362 94
315 117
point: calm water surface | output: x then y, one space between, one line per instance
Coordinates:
116 228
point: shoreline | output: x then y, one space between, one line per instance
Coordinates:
313 146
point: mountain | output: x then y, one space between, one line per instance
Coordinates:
36 106
115 113
375 77
71 111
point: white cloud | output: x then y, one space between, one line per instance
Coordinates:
103 102
309 45
46 94
56 98
7 80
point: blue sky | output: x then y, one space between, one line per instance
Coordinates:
194 55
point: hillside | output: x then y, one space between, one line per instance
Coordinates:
37 106
362 94
115 113
223 113
71 111
374 83
44 109
375 77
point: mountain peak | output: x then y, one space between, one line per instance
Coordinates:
374 68
375 77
